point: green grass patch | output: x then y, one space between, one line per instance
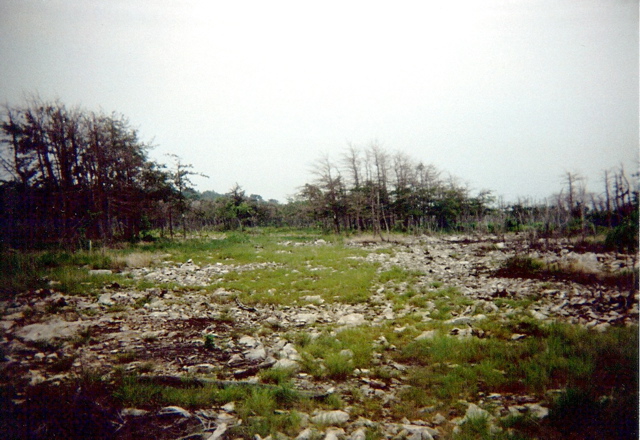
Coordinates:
558 356
337 356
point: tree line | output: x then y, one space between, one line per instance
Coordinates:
380 191
69 176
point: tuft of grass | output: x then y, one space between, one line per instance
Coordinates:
131 390
337 356
138 259
125 357
398 275
278 376
339 366
522 266
476 427
209 342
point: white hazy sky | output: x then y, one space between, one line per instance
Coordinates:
506 95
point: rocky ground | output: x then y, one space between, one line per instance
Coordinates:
49 337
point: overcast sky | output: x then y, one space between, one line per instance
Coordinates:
506 95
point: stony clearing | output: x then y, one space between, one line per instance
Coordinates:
201 329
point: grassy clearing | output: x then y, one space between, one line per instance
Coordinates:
598 370
325 269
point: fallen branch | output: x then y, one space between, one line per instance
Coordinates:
243 307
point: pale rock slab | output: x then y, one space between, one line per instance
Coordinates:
352 319
330 418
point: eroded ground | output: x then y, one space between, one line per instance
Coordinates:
195 321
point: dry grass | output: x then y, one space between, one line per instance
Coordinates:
139 259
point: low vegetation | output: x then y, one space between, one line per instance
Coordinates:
525 266
571 369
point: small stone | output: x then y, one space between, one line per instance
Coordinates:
286 364
416 432
106 300
461 320
306 434
201 369
36 377
314 299
6 325
537 315
235 359
248 341
273 321
439 419
330 418
346 353
358 434
429 334
256 354
333 434
353 319
133 412
306 318
536 410
229 407
474 411
100 272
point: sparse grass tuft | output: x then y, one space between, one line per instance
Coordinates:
278 376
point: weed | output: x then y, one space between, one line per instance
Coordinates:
398 275
146 367
260 402
278 376
311 365
209 342
476 427
339 366
125 357
334 401
520 266
131 390
412 399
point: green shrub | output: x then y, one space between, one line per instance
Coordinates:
624 237
339 366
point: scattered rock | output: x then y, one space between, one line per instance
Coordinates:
50 330
429 334
353 319
133 412
336 417
100 272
